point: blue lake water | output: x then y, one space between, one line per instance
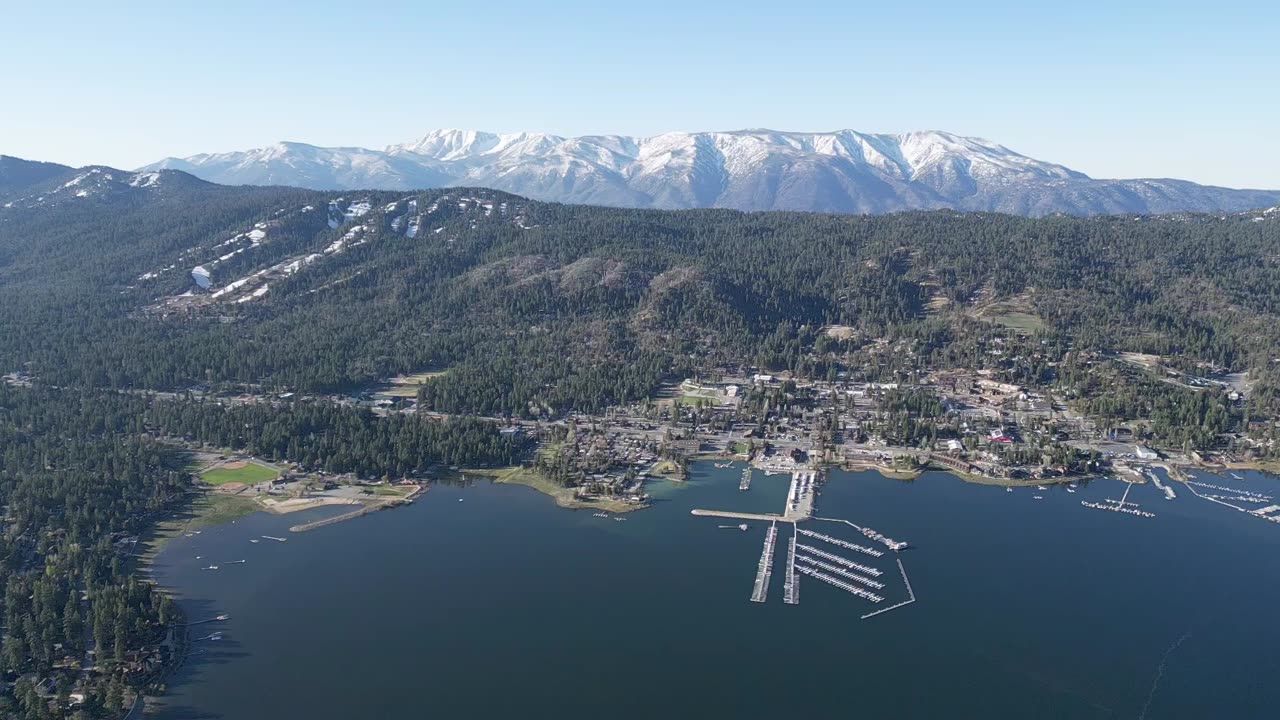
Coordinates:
503 605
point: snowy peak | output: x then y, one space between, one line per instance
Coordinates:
757 169
99 182
463 145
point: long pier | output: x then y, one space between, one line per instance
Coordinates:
1202 496
363 510
911 595
791 588
837 559
837 541
828 567
763 517
745 483
761 589
840 584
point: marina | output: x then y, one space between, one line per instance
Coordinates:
760 592
866 595
745 483
687 576
837 559
800 497
841 543
1115 507
828 567
1266 513
1255 499
1237 490
1122 505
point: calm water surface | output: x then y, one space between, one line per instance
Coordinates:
503 605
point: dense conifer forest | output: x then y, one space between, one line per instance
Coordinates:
528 310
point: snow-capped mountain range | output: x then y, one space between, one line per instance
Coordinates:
844 171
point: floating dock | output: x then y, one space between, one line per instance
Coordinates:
1118 508
842 543
894 545
791 588
765 569
1255 499
866 595
1265 513
1226 489
837 559
828 567
911 595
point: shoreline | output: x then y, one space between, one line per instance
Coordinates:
564 497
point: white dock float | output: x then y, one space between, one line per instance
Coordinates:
828 567
847 587
791 588
911 595
842 543
760 591
843 561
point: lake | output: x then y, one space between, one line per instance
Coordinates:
487 601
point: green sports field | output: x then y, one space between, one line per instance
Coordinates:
250 474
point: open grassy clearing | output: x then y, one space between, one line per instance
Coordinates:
406 386
248 473
416 378
1022 322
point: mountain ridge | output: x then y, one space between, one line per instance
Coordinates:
844 171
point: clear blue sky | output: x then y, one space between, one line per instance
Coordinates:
1168 89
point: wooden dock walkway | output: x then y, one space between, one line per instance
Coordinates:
760 591
765 517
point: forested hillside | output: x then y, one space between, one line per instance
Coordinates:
114 285
537 308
